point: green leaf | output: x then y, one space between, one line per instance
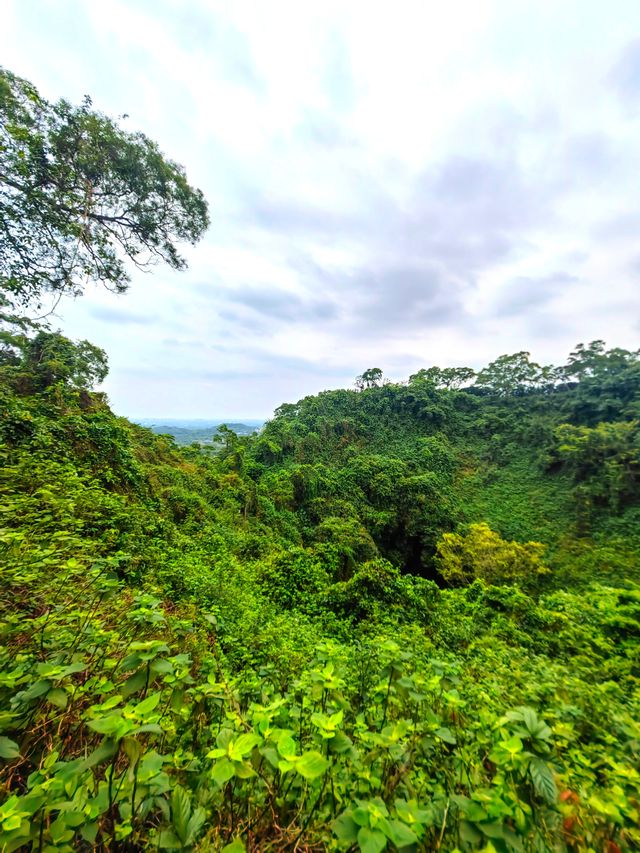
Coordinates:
167 840
58 697
402 835
543 781
147 705
9 748
345 828
36 690
196 822
180 812
236 846
371 840
287 747
104 752
244 770
135 682
311 765
446 735
340 743
162 666
108 725
222 771
271 755
89 832
243 745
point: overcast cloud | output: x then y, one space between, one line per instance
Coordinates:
391 184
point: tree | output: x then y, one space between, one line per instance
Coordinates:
371 378
605 461
80 197
585 360
514 374
606 383
482 554
49 358
450 378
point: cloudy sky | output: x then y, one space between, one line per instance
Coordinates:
392 184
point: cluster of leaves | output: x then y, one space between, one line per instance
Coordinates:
79 195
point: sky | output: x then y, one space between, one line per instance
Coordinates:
391 184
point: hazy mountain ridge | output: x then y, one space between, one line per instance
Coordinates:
188 430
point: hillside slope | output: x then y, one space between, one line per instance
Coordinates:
403 617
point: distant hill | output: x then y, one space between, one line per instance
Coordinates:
186 431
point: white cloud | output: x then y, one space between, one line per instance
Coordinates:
389 183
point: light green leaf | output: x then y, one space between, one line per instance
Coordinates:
311 765
8 748
236 846
446 735
287 746
222 771
371 840
243 745
402 835
147 705
58 697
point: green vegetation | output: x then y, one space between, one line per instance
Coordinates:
401 617
211 433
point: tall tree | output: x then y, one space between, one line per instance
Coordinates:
513 374
371 378
80 196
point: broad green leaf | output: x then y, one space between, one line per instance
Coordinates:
543 780
196 822
287 747
58 697
135 682
243 745
311 765
168 840
271 755
371 840
180 812
244 770
222 771
36 690
446 735
360 815
110 725
89 832
102 753
402 835
8 748
236 846
340 743
345 828
147 705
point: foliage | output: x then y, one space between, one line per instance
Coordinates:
604 460
79 194
217 656
481 554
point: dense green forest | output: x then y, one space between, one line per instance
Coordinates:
404 616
